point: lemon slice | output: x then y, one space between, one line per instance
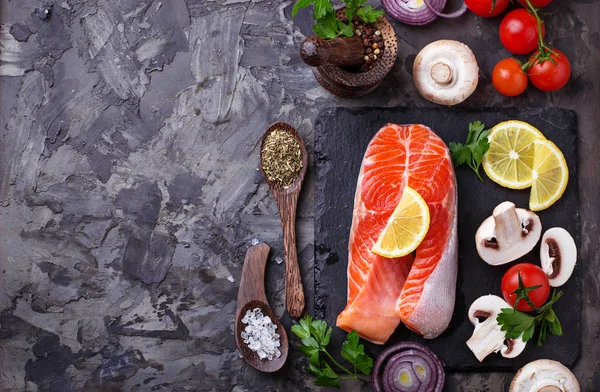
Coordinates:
550 175
509 160
406 228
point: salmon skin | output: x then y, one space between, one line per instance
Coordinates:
418 289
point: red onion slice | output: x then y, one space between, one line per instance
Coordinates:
401 10
455 14
408 367
400 376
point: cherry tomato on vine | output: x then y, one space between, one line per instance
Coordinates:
549 76
519 32
484 7
508 77
531 275
536 3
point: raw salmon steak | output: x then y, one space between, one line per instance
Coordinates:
418 289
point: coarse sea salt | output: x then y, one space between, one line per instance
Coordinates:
260 334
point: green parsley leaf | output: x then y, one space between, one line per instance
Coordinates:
471 153
460 154
556 327
322 8
351 7
328 377
314 370
311 343
301 4
315 335
299 331
326 27
528 333
355 354
515 323
368 15
321 332
345 29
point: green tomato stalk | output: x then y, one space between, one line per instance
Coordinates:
545 51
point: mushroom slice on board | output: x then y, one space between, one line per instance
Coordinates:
544 375
487 336
508 234
446 72
558 255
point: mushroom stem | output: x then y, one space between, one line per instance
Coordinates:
488 336
508 226
486 339
441 73
550 388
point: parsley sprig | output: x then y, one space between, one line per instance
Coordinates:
315 336
515 323
327 25
471 153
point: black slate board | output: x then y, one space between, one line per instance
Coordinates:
341 137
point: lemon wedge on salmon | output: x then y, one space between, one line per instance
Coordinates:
509 160
406 228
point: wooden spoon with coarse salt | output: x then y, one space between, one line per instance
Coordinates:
251 295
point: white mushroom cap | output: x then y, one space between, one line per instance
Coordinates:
446 72
487 336
544 375
558 255
508 234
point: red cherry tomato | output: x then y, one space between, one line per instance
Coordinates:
531 275
519 32
484 7
536 3
508 77
548 76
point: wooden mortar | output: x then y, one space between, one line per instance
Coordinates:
331 58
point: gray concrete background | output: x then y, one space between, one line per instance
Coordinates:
129 188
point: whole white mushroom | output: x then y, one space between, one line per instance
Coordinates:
446 72
544 375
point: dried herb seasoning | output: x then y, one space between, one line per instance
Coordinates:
281 158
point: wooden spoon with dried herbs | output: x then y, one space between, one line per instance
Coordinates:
283 161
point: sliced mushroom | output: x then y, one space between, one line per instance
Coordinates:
446 72
558 255
508 234
487 336
544 375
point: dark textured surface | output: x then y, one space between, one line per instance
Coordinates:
342 136
110 100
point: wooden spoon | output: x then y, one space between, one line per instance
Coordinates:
287 201
252 295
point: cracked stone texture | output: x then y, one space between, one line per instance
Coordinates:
129 188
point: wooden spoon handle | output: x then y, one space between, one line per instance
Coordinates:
252 283
294 293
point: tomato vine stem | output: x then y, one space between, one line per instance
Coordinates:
545 52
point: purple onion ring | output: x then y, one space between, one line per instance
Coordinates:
426 13
405 356
455 14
